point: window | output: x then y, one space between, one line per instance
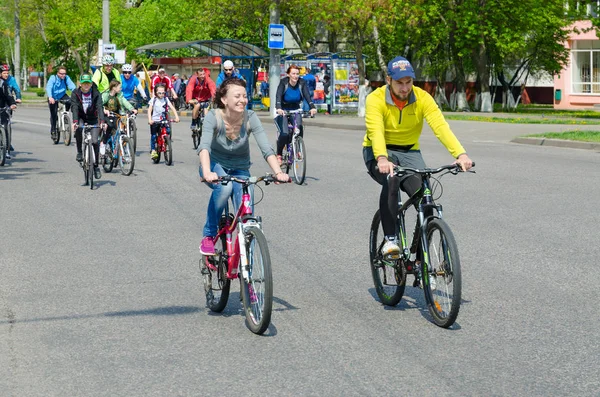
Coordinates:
586 67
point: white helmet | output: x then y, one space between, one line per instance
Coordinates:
228 64
108 60
127 68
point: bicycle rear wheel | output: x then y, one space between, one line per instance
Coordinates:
168 151
3 145
257 291
442 283
67 128
299 161
126 156
389 276
216 283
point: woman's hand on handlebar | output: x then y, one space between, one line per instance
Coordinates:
210 177
280 112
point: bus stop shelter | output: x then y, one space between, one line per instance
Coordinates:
245 56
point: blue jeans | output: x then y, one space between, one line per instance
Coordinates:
220 195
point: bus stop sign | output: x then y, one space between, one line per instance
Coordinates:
276 36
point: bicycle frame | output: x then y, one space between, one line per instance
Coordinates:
242 219
294 131
160 140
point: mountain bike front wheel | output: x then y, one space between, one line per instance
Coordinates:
299 160
216 283
441 276
132 133
389 276
257 290
127 156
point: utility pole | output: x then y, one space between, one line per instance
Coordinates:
105 24
274 60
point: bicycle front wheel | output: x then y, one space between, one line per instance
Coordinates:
67 128
133 134
3 145
90 165
216 283
127 156
442 283
257 290
299 161
108 159
168 151
389 276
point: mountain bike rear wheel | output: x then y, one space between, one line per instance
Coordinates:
299 161
257 291
127 156
216 283
441 276
389 276
67 131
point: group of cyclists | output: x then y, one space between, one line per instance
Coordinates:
394 119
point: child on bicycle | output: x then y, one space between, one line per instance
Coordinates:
114 103
158 110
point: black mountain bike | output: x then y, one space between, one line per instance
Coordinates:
197 131
432 257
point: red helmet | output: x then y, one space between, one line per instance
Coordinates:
5 68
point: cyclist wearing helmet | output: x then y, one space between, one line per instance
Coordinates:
130 83
104 75
5 100
228 72
56 89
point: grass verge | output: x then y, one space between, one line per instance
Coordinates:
575 135
522 120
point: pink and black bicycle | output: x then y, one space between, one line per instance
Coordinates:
241 251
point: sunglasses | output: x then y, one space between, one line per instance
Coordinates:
160 93
228 70
126 72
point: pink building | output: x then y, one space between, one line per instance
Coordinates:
578 85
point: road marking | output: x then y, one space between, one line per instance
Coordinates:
31 122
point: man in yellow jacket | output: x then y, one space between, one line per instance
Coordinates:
394 118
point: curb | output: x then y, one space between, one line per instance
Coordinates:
558 143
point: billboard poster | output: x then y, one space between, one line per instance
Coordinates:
320 68
345 84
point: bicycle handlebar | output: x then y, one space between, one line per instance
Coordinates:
453 168
252 180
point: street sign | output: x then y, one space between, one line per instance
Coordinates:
276 36
109 48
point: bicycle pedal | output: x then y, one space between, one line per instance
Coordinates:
416 283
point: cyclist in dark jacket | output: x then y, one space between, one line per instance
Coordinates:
86 106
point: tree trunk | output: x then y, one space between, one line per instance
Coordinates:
17 60
480 60
380 59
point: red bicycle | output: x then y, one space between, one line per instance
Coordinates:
163 142
246 258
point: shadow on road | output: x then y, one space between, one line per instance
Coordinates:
157 311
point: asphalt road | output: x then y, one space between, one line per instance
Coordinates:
100 291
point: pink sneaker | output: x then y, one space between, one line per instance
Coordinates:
207 247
